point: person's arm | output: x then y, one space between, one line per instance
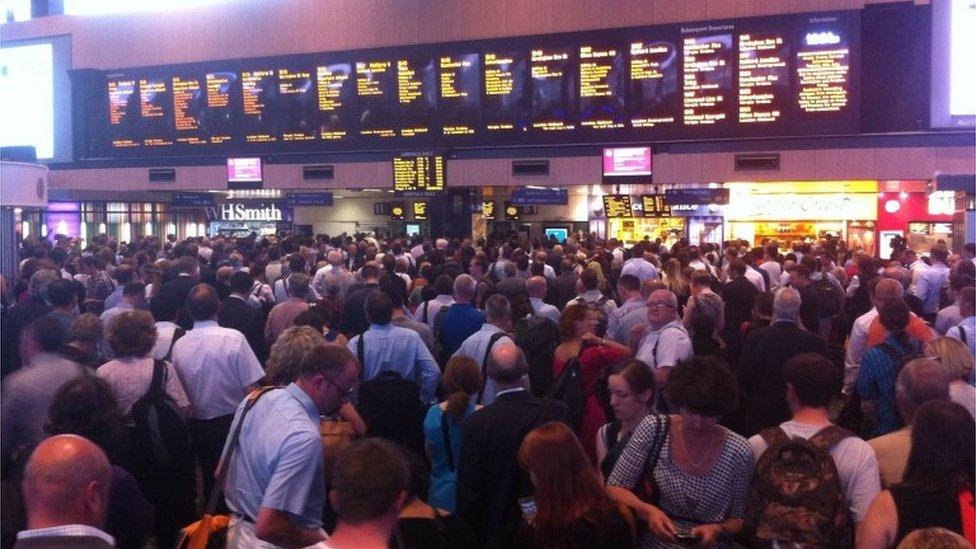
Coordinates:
855 352
471 474
612 325
275 527
635 337
880 526
348 413
601 450
430 373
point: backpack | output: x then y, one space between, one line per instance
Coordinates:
538 337
161 432
391 407
796 497
568 388
440 354
831 297
900 359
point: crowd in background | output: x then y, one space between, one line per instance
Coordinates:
489 393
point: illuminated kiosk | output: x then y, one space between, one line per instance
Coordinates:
23 189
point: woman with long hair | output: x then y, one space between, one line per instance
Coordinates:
675 280
572 509
442 429
958 365
577 331
937 489
632 387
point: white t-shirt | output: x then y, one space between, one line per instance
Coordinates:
856 464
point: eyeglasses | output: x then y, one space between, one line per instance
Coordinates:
348 393
655 304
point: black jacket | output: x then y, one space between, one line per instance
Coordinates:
177 290
352 321
235 313
761 372
490 481
739 296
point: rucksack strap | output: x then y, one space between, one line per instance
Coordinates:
438 327
446 434
159 370
660 437
178 333
827 437
962 335
426 309
890 351
484 363
658 341
361 353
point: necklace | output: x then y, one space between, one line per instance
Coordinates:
684 447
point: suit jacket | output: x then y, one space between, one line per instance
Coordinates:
177 289
739 296
62 542
490 481
237 314
761 372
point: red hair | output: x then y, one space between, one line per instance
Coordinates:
567 485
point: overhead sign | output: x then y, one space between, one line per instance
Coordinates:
420 211
397 211
309 198
617 205
488 209
192 200
528 197
803 207
655 205
238 211
698 197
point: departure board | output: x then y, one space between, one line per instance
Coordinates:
459 97
505 77
416 96
376 90
553 90
654 205
654 96
336 87
398 211
707 79
419 172
617 205
420 211
259 90
297 108
795 74
602 84
488 210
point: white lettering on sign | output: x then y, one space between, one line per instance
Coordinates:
235 211
821 38
802 207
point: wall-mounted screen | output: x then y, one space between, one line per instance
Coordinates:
626 161
244 170
412 229
488 210
617 205
559 233
398 211
953 80
418 172
420 210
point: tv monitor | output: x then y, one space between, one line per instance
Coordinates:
244 170
561 233
953 102
413 229
626 161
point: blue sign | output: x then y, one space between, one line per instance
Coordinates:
417 194
193 200
308 198
697 197
527 197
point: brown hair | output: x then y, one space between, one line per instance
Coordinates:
462 378
132 334
567 320
638 377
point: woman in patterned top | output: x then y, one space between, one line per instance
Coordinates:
700 469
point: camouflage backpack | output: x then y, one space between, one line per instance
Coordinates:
796 498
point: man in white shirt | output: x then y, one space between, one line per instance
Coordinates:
547 270
479 344
965 331
811 383
165 311
884 290
218 369
333 277
664 341
536 287
629 290
753 275
638 266
929 283
948 317
66 484
772 267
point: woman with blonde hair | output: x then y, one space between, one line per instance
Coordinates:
958 365
675 280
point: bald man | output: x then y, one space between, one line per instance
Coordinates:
537 287
488 472
66 484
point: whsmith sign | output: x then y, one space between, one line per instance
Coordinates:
237 211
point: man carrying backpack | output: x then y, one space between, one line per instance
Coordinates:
814 481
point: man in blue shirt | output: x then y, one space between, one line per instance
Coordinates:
389 348
275 482
456 323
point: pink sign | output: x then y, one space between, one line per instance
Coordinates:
627 161
244 169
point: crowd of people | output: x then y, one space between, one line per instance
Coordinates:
358 392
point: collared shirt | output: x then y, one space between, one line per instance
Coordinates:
947 318
329 277
475 348
107 317
665 347
616 316
278 463
757 279
929 284
856 345
542 308
130 378
547 270
67 530
636 317
774 270
424 331
389 348
216 366
640 268
876 382
458 322
26 396
512 390
165 331
968 326
114 298
432 306
282 317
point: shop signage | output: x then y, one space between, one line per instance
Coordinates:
192 200
308 199
528 197
698 197
237 211
803 207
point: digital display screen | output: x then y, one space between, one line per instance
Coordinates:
420 211
413 229
559 233
617 205
242 170
27 97
488 210
794 74
421 172
623 161
655 205
512 212
398 211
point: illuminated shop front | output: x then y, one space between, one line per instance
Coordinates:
122 221
905 210
806 211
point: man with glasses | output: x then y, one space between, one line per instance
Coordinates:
663 342
275 482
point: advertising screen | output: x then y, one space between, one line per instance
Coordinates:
624 161
244 170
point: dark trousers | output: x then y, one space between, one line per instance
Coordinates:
209 436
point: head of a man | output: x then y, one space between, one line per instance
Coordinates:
536 286
507 365
786 305
662 308
920 381
46 335
189 266
66 481
370 484
628 287
498 311
800 277
62 294
298 285
134 293
202 302
590 280
464 288
967 302
241 283
328 375
379 308
737 268
811 381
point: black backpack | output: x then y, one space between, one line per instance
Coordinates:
568 388
830 296
538 337
161 433
391 407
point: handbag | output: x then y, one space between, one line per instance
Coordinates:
646 488
336 434
210 532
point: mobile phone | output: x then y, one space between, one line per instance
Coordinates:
687 538
527 505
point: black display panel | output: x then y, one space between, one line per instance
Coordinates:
418 172
765 76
